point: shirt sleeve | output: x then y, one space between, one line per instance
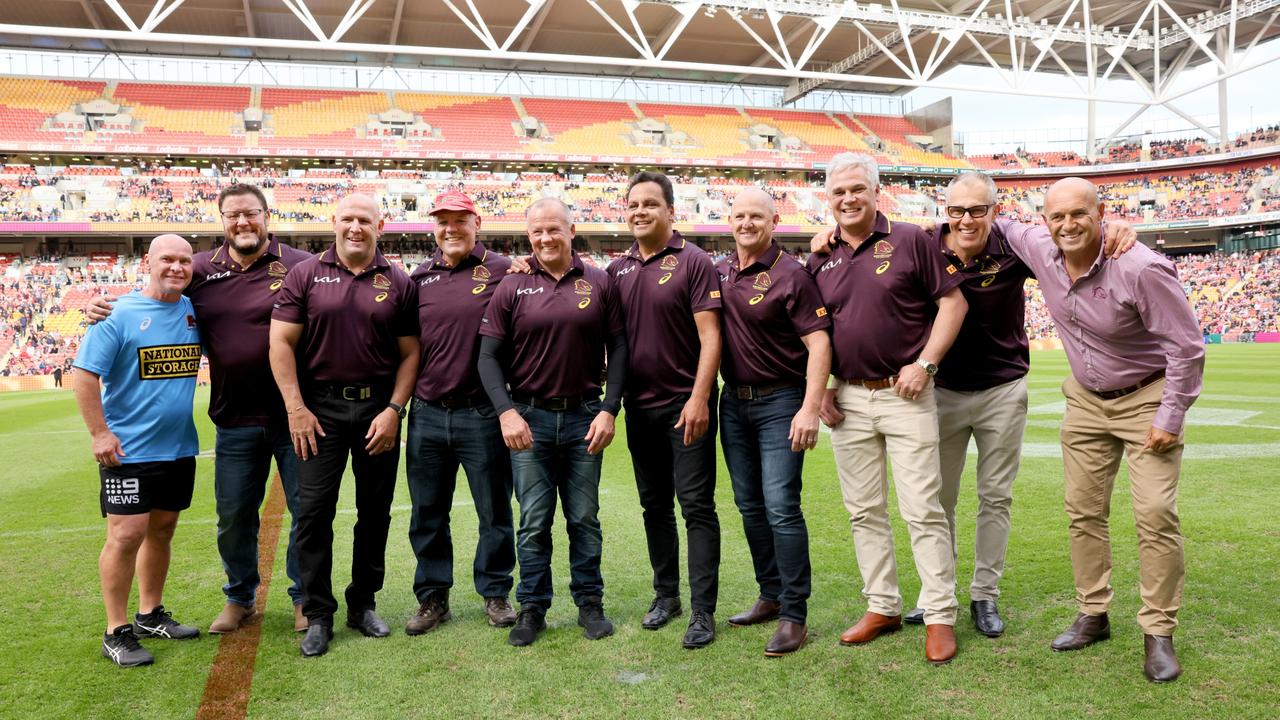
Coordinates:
291 302
804 305
496 322
614 320
937 276
1167 314
704 283
99 348
1027 241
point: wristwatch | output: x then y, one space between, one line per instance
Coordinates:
400 409
929 368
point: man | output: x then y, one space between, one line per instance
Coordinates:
777 356
344 352
669 290
146 358
232 290
895 310
1137 361
453 423
545 334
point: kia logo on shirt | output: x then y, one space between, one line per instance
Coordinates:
219 276
529 291
327 280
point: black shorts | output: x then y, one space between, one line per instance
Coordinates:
137 488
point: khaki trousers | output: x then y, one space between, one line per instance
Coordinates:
1095 434
877 424
995 418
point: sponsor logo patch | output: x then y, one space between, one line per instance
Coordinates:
277 269
663 280
820 312
581 287
191 321
882 249
714 294
951 269
755 299
880 269
163 362
762 281
381 282
121 491
477 289
669 262
1100 293
585 302
989 266
481 273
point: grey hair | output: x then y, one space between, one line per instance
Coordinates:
550 200
974 178
845 160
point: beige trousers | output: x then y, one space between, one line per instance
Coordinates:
879 424
1095 434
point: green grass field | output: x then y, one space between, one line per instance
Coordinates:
51 533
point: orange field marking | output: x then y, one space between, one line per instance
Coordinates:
226 692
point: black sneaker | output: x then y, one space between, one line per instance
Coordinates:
121 647
531 621
159 623
592 620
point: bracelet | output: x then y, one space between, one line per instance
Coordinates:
300 407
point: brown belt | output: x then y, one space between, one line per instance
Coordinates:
1113 394
873 383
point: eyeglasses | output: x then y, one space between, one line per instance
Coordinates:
955 212
234 215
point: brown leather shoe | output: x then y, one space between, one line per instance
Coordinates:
939 643
232 618
1162 663
1085 631
300 621
871 626
500 612
431 614
786 639
762 612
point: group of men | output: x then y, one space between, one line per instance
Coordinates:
314 360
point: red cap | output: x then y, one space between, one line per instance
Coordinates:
453 200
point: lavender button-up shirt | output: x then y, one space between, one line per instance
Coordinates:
1121 321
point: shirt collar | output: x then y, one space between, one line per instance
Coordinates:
222 255
995 242
765 261
575 265
330 257
880 228
675 244
478 254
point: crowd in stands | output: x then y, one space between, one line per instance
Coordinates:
41 302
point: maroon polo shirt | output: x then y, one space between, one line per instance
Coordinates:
451 303
233 307
351 323
659 297
991 348
768 307
882 298
554 332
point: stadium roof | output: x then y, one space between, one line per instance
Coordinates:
885 47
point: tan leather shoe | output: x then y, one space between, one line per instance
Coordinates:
939 643
300 621
231 619
871 626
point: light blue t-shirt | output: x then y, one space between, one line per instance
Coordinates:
147 354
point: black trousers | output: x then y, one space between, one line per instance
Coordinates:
664 468
345 423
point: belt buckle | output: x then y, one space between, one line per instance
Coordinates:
559 404
344 393
357 393
745 392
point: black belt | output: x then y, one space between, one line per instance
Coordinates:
755 392
1113 394
458 402
353 393
554 404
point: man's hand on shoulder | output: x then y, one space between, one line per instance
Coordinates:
820 243
99 308
1118 237
520 265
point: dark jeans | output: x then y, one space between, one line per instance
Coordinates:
440 440
766 487
345 424
664 468
241 469
558 462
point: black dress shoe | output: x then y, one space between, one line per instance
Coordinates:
986 618
763 611
1162 663
1085 631
702 630
661 611
915 617
316 641
368 623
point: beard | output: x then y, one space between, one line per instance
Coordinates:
245 246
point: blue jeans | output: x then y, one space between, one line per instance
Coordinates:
241 468
439 441
558 462
766 478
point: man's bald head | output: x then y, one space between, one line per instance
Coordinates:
755 195
752 220
545 205
169 258
160 243
1074 217
362 201
1074 188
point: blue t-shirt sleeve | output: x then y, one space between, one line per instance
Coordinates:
99 348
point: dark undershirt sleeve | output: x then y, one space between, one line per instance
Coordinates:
491 377
615 374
